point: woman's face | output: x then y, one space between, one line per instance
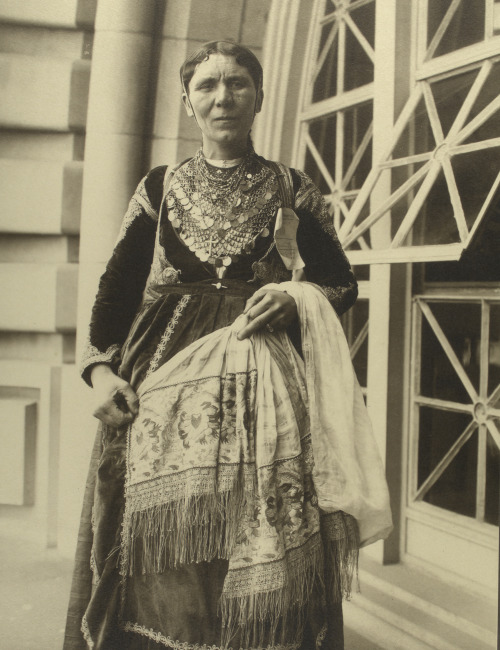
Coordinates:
223 99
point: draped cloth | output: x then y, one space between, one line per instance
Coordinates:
244 451
348 472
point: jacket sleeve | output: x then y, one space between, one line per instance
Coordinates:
122 284
319 246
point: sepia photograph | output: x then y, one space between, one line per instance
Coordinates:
249 324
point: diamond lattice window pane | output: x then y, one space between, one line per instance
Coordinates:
454 24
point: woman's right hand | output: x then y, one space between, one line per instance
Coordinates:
116 403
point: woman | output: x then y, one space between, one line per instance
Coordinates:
208 530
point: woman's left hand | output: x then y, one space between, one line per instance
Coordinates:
268 307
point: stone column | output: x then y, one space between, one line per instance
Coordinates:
117 126
118 106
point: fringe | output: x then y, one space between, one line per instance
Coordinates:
340 534
192 529
276 616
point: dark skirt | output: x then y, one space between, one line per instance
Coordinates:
179 607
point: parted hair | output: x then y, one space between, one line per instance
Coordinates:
242 54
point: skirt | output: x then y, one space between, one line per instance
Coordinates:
177 607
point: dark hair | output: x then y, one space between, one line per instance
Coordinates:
243 56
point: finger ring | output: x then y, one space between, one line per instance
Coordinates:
269 328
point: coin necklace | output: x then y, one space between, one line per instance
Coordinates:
213 220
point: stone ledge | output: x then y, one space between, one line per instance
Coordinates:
45 249
56 13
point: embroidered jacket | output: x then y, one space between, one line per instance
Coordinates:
122 284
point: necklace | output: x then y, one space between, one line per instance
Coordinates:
219 216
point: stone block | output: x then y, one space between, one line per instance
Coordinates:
47 249
135 17
54 13
79 94
41 41
78 431
86 12
31 196
29 145
165 151
40 197
88 281
176 19
35 92
171 120
41 383
203 20
40 347
72 197
112 171
38 297
18 457
66 297
120 83
255 22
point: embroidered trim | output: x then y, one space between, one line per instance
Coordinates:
167 335
158 637
305 190
148 208
138 204
86 632
94 569
321 636
92 355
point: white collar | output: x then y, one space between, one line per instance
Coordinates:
224 163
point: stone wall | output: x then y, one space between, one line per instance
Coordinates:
90 102
45 58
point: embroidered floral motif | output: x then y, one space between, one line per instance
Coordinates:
93 355
167 335
196 463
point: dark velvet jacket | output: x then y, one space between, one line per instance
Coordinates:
121 288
